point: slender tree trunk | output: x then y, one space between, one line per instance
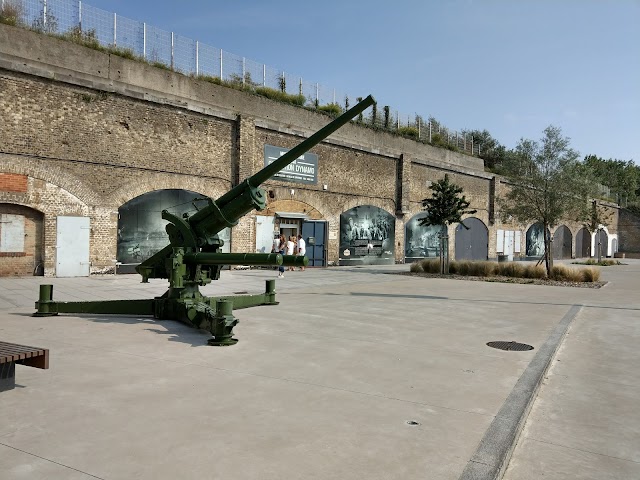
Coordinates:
548 254
444 251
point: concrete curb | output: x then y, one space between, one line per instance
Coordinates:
494 451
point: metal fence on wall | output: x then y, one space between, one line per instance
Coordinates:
192 57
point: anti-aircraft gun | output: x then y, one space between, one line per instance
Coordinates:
193 257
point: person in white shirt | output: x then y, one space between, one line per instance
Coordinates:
302 249
291 245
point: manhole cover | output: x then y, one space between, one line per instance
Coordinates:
511 346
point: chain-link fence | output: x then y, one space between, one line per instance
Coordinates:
77 20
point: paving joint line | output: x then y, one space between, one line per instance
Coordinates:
491 458
583 450
52 461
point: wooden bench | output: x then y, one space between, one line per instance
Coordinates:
11 353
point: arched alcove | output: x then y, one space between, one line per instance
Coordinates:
367 236
421 241
583 243
472 243
535 241
141 229
562 242
21 240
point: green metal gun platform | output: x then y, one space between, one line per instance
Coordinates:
193 257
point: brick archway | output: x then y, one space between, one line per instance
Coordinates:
135 188
61 178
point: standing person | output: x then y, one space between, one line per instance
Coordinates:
291 245
282 245
302 250
275 248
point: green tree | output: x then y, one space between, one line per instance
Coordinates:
490 150
622 177
547 184
445 207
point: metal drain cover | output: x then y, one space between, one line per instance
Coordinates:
511 346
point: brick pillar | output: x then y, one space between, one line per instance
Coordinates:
403 190
403 184
243 235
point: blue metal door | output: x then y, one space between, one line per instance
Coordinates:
314 233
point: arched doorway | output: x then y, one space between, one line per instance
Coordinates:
367 236
141 229
601 241
562 242
421 241
472 243
583 243
21 240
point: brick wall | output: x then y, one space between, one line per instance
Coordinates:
629 232
110 129
10 182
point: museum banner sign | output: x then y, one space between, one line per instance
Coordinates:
303 169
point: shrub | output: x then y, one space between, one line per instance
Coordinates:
430 265
564 273
123 52
535 271
485 269
416 267
12 13
590 274
511 269
411 132
210 79
164 66
332 109
87 38
281 96
602 263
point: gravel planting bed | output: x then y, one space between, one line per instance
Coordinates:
531 281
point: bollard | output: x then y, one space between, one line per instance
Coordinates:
45 305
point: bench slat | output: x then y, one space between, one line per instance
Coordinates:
24 355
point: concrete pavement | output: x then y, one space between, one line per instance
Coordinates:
327 384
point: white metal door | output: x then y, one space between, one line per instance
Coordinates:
264 233
72 247
508 243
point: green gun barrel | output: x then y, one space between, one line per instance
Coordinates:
240 200
294 261
208 258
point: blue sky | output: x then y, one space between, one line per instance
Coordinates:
511 67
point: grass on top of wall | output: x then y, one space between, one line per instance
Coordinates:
508 269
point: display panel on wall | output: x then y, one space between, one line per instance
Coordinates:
367 236
421 241
141 229
535 240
